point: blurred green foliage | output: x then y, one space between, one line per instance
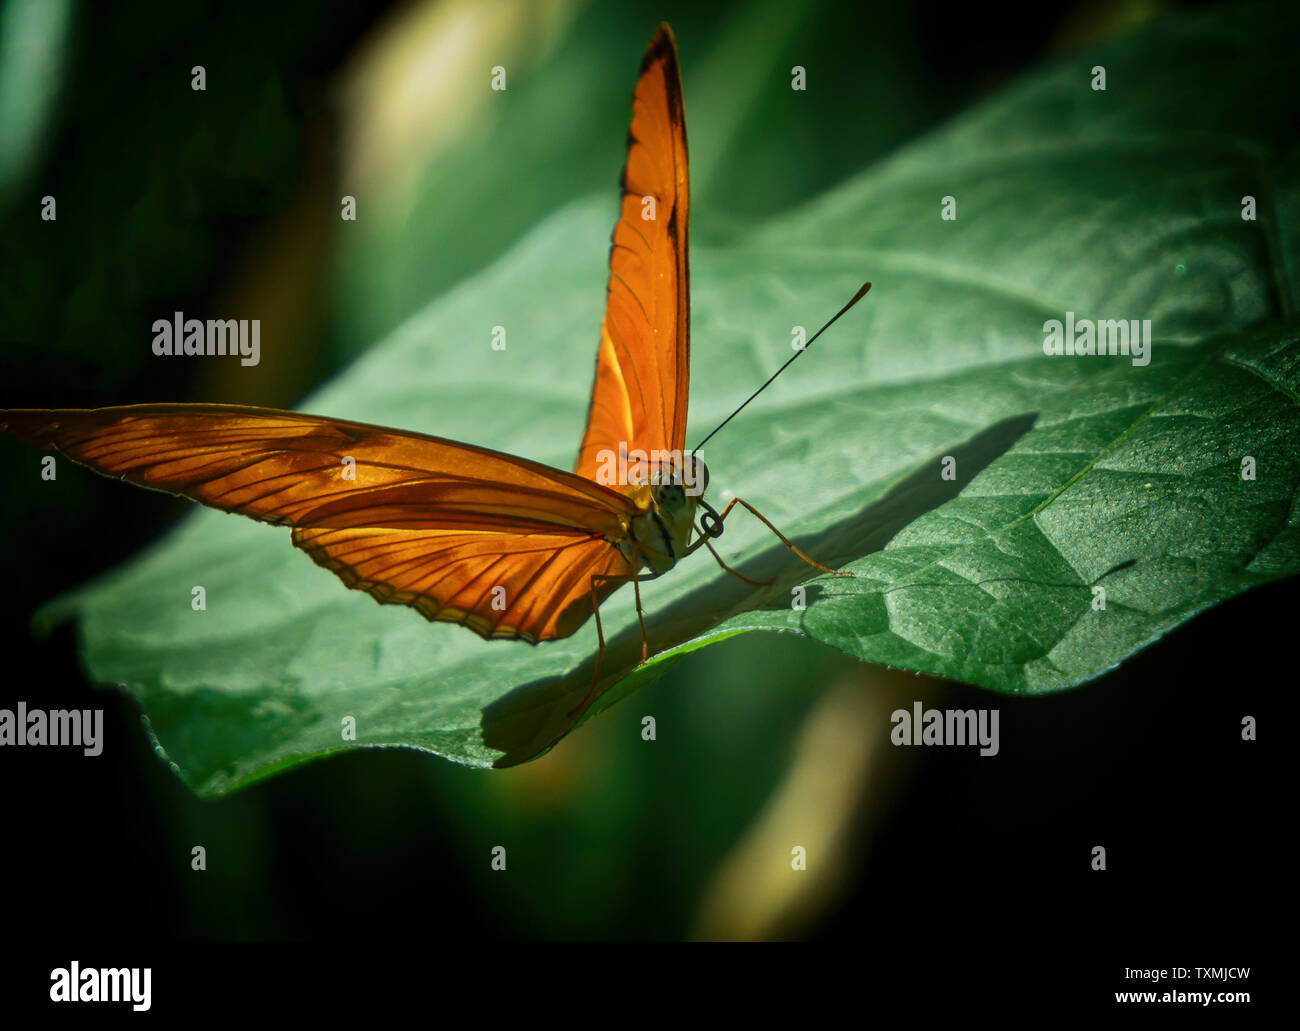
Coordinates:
1065 468
163 203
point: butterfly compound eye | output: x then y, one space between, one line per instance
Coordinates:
697 482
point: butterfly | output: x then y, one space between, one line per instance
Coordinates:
510 548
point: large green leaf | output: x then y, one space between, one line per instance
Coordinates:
1071 473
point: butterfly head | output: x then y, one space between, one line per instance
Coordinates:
674 481
673 502
662 534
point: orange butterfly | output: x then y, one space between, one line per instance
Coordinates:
451 529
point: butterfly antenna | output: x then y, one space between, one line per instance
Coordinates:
856 298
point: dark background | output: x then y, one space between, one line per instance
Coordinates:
961 861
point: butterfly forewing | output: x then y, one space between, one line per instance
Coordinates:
638 401
411 519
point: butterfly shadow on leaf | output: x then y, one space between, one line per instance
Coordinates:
530 719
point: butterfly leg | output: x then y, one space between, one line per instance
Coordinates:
640 616
717 529
600 650
600 635
704 539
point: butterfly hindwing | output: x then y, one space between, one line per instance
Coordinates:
534 586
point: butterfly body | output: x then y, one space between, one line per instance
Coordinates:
660 533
